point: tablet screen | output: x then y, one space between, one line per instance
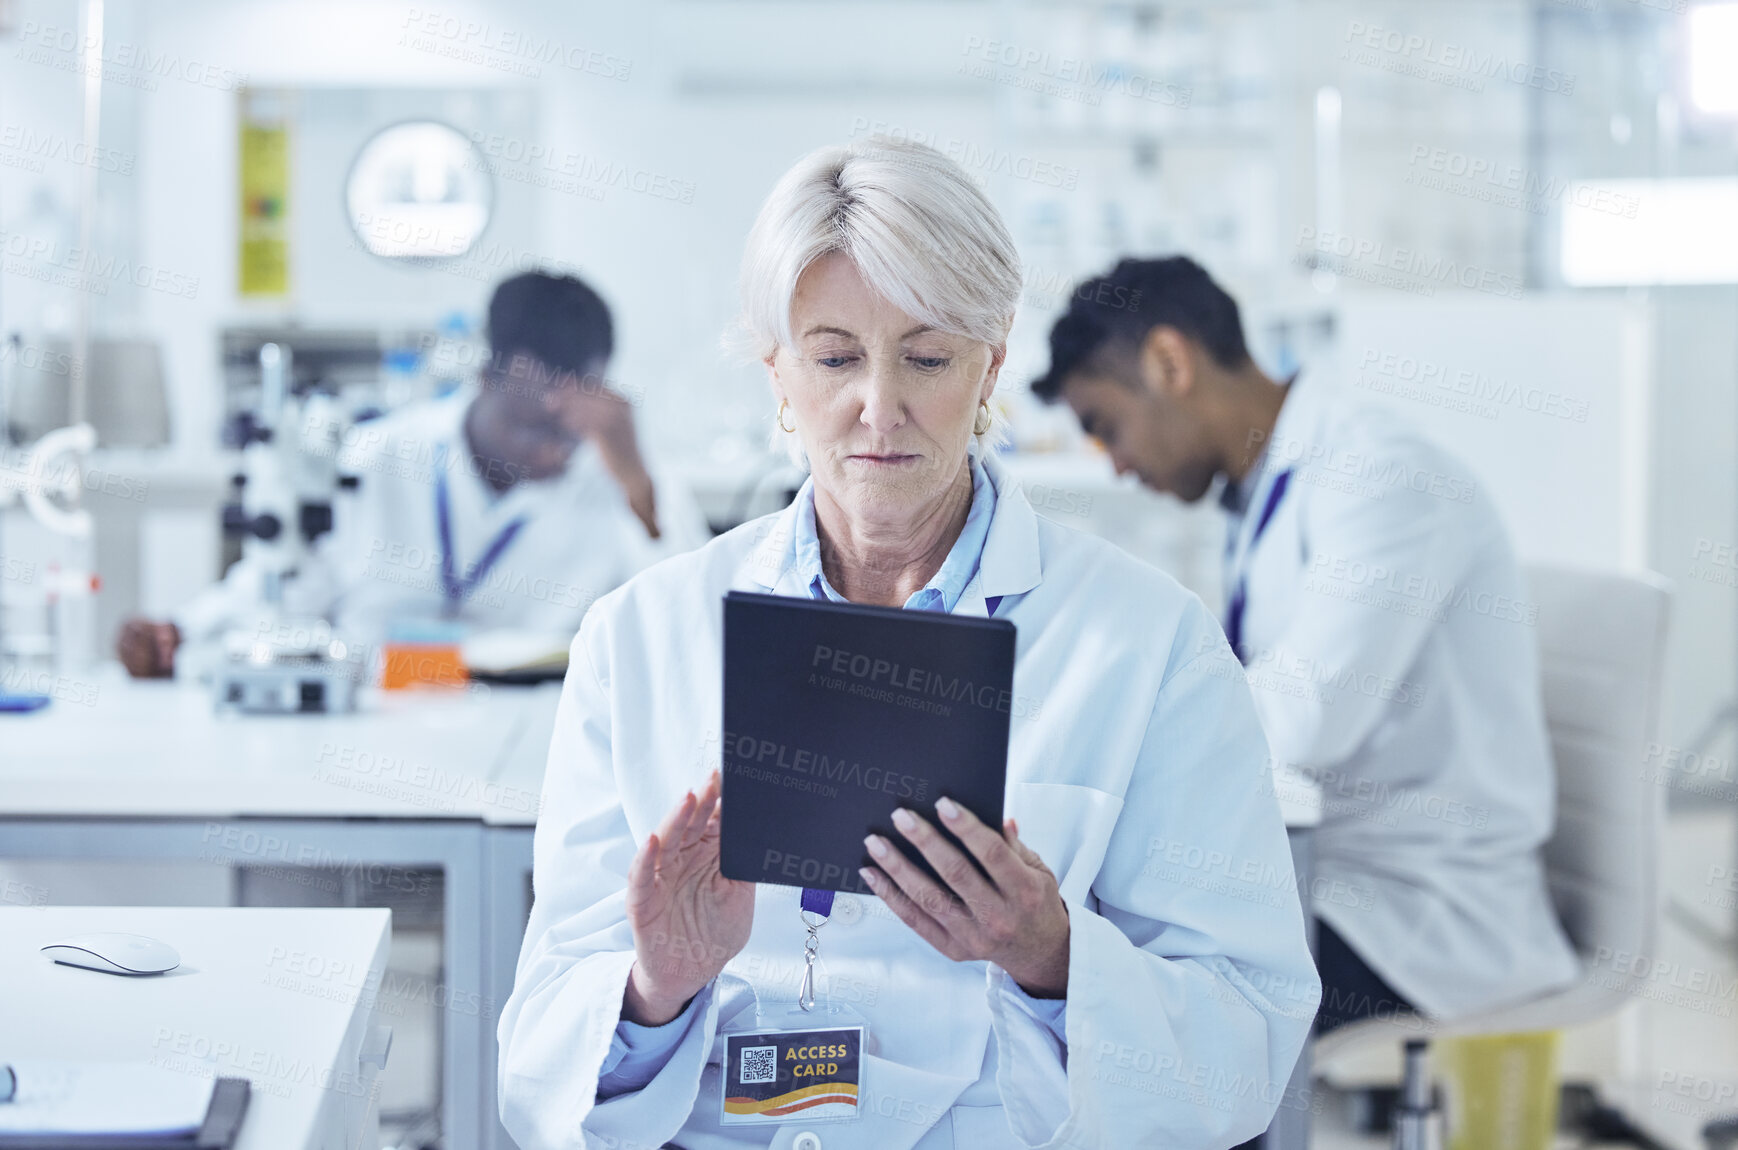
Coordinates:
836 714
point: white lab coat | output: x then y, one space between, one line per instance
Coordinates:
1392 653
1136 770
382 561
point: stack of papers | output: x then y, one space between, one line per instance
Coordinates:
57 1097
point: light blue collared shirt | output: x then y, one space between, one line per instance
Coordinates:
942 593
638 1052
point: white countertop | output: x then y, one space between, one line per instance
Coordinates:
158 749
282 998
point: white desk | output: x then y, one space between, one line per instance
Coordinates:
283 998
157 748
438 779
150 771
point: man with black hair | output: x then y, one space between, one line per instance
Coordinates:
543 390
1375 601
512 504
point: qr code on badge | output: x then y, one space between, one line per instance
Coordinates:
759 1065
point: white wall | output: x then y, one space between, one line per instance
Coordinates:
1544 399
1695 506
709 102
187 184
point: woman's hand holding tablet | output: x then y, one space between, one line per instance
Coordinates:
688 920
1016 919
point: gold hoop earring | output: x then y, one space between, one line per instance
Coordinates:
782 404
984 417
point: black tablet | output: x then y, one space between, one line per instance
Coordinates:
836 714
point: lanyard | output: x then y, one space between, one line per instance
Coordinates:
455 590
1240 596
818 903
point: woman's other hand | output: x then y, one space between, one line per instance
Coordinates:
1015 919
688 919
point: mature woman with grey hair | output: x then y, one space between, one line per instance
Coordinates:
1128 967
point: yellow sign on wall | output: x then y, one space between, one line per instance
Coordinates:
263 169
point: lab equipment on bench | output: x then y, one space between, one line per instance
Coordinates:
48 479
295 667
423 653
289 474
284 494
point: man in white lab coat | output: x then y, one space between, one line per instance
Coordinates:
512 504
1375 601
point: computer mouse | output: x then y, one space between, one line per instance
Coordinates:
115 953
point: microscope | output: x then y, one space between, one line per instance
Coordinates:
291 662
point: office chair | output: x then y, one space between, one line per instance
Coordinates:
1602 655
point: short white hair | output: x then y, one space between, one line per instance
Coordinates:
922 235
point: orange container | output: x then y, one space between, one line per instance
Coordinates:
415 665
